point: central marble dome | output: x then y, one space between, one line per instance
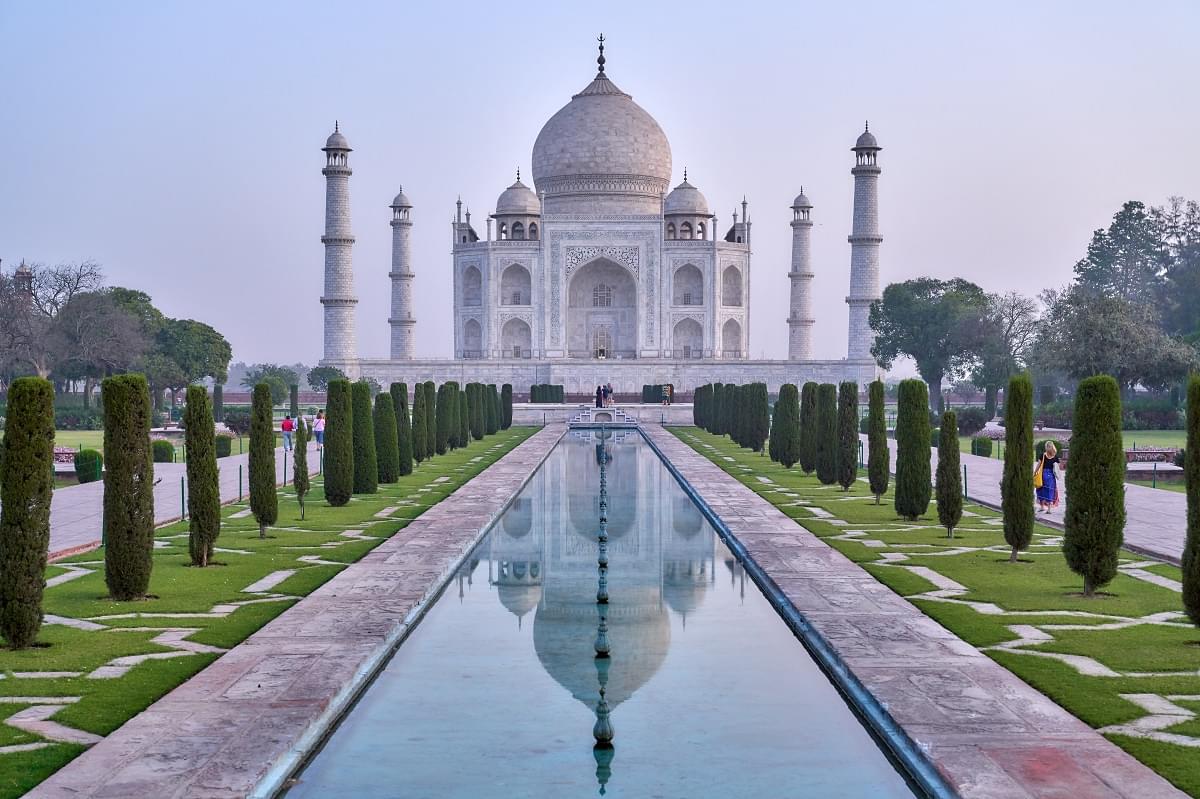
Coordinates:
602 153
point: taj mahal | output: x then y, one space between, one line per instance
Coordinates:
601 272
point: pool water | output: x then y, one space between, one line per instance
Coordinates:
496 692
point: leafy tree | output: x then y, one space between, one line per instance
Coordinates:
366 465
847 443
1016 486
387 456
264 503
163 374
26 316
319 377
1009 329
198 349
203 479
128 486
506 402
339 443
277 378
808 427
404 443
1125 261
1179 226
949 477
913 484
25 494
827 434
1095 516
879 457
419 424
93 336
787 425
1191 467
937 323
300 477
139 305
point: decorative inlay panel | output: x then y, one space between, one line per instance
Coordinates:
575 257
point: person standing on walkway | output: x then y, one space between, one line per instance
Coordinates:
318 427
599 397
287 427
1047 485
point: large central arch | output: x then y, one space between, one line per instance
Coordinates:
602 311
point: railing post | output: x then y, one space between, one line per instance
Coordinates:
1154 477
285 467
182 499
964 479
239 482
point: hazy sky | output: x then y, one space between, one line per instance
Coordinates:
179 144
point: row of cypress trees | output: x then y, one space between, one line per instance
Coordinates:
817 427
743 412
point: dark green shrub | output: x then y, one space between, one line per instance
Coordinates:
164 451
827 434
300 478
864 425
404 442
1191 467
89 465
238 421
982 446
25 508
419 424
949 478
808 427
1180 458
717 410
847 419
1046 394
294 400
879 457
218 399
366 464
972 420
264 503
1095 516
464 420
787 417
224 445
339 443
491 419
758 419
474 410
913 480
386 456
506 402
699 398
128 486
1016 486
730 410
442 427
431 417
203 480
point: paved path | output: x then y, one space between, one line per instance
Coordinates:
987 732
76 512
238 728
1155 519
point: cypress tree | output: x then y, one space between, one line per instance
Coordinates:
808 428
1191 468
949 476
913 483
203 479
506 405
699 397
386 456
264 503
404 443
1095 516
731 410
339 443
758 421
441 435
878 456
128 486
491 422
773 437
1016 485
366 463
300 478
218 403
476 412
419 424
827 434
787 420
294 400
847 421
464 420
25 492
431 411
714 424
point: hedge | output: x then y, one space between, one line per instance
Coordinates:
982 446
546 393
264 503
913 480
163 451
879 457
826 434
224 445
128 517
949 478
339 443
387 456
971 420
89 465
25 498
366 464
652 394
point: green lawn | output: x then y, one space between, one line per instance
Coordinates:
1136 630
105 704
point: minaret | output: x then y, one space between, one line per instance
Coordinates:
339 299
864 247
800 318
402 320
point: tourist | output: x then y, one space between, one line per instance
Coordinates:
608 395
1047 486
319 429
599 397
287 427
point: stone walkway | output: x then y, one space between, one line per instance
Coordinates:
987 732
76 512
1155 519
240 726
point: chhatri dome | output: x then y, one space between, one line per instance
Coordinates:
686 199
518 199
602 152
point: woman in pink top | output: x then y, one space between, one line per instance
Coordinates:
319 428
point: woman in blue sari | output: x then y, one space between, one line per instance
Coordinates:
1047 493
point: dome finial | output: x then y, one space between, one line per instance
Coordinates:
600 60
685 174
867 126
518 174
335 126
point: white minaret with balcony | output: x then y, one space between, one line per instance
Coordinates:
401 320
864 247
800 316
338 298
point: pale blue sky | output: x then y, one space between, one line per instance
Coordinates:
179 144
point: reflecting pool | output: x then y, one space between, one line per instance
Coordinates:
497 692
